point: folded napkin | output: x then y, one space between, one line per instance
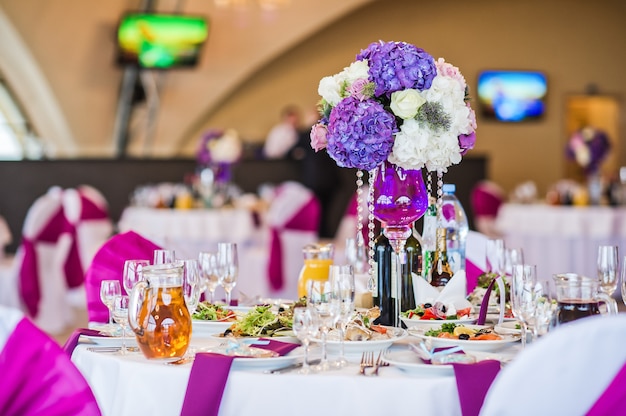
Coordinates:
473 382
72 341
454 293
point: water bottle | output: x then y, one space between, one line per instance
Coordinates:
454 220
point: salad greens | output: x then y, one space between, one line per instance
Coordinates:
446 327
261 321
207 311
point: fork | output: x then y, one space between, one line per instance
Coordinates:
380 362
367 361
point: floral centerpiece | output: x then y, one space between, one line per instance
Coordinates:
218 150
588 147
395 103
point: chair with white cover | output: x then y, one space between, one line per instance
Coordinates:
577 369
349 222
293 219
38 378
475 257
486 198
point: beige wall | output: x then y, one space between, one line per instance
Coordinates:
575 42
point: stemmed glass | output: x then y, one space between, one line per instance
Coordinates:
120 314
109 289
228 266
320 295
512 256
191 284
623 277
607 268
523 281
342 280
163 256
545 308
305 326
495 256
208 266
356 253
132 273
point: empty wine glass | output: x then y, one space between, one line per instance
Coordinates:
512 256
306 327
608 268
109 289
191 284
320 296
208 266
132 273
342 280
523 280
356 253
495 256
120 314
228 267
544 318
163 256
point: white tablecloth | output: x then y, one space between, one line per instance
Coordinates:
132 385
562 239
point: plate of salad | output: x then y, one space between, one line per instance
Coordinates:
211 319
262 322
432 315
468 337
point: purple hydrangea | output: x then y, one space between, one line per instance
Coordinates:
360 133
396 66
203 157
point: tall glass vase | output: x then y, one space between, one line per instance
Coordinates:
399 199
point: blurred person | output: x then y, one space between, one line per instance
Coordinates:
284 136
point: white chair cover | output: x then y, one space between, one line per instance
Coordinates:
564 373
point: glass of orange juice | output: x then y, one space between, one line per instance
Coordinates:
317 261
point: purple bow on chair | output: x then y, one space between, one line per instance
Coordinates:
306 219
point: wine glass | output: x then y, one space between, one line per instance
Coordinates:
132 273
623 277
306 327
228 265
120 314
320 295
191 284
512 256
607 268
523 280
342 280
495 256
356 253
545 308
109 289
163 256
208 266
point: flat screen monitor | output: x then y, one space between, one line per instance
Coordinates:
161 41
512 96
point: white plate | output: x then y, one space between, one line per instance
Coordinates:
358 347
111 341
409 362
204 328
286 338
271 363
495 317
508 328
467 345
429 324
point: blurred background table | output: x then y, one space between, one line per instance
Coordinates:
561 239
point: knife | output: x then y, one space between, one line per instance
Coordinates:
292 367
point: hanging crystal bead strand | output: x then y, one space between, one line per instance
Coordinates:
359 211
439 193
371 284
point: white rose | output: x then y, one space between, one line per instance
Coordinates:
405 103
356 70
329 89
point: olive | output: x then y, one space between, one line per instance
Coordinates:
443 309
464 336
228 331
428 305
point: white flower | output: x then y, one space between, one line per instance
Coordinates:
356 70
330 89
226 149
405 103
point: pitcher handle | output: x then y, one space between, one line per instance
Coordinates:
134 305
611 304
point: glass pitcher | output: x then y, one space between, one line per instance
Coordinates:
579 296
317 261
158 314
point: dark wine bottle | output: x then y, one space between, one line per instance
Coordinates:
385 293
441 270
413 264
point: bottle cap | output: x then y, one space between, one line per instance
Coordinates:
449 188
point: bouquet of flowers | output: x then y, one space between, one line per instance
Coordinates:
588 147
395 103
219 147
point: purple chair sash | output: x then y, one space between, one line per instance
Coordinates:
613 400
38 378
473 382
306 219
108 264
72 341
29 272
472 272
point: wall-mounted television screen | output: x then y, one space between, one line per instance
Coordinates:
512 95
155 40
